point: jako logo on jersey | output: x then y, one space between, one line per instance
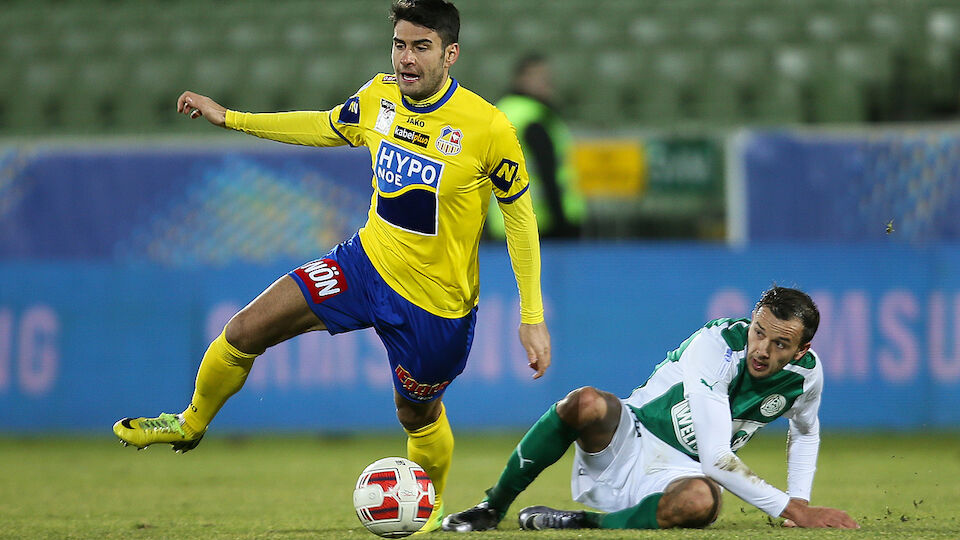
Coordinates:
415 121
505 173
350 112
449 141
416 389
397 168
411 136
323 278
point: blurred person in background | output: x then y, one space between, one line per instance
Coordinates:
411 272
546 143
658 458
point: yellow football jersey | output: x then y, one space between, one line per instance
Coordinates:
435 164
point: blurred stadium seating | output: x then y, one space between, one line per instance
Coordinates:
116 65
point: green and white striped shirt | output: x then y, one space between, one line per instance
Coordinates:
709 371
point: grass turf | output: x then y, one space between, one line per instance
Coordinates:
896 486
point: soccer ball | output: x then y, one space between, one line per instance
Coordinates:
394 497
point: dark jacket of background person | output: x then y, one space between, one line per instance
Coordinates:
546 143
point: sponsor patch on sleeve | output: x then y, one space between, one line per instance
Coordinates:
350 112
504 174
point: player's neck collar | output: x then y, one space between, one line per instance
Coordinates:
433 102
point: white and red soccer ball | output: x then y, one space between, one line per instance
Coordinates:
394 497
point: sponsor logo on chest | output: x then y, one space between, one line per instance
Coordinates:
683 426
411 136
397 168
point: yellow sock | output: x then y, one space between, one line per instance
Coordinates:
222 373
432 448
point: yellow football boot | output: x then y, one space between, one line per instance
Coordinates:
433 522
166 428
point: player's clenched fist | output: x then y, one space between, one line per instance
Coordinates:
194 105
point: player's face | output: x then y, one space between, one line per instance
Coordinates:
420 61
773 343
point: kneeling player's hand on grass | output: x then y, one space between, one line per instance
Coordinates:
800 514
194 105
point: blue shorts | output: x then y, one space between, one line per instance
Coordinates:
346 292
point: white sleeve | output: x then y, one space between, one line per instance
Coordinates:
707 371
803 442
802 450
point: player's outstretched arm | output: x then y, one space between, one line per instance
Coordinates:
800 514
194 105
535 339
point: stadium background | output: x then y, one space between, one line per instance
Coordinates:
723 146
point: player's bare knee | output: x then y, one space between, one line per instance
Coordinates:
583 407
414 416
238 333
689 503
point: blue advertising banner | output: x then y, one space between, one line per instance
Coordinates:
82 344
179 205
849 185
118 265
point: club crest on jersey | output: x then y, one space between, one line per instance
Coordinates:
449 141
772 405
323 278
411 136
350 112
385 117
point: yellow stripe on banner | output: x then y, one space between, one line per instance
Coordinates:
610 168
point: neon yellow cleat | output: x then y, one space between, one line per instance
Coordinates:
166 428
433 522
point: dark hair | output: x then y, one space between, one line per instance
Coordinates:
438 15
786 304
526 62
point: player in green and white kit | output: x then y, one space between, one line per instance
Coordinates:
658 458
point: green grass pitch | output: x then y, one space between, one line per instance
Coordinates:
898 486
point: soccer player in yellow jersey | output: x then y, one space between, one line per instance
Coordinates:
437 151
